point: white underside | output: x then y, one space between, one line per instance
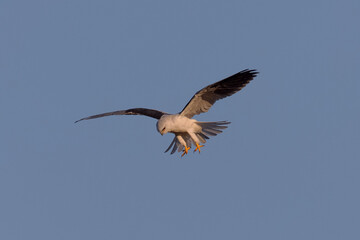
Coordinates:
189 131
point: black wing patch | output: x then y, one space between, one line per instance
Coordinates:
203 100
133 111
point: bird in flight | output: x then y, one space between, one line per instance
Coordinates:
187 130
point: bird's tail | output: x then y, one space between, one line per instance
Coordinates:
211 128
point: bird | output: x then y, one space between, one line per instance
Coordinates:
189 131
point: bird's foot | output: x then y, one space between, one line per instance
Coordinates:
198 147
185 151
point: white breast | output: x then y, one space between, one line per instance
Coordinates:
176 123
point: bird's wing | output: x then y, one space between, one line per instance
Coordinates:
133 111
206 97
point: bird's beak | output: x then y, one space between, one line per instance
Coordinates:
162 133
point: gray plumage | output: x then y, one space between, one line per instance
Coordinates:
188 131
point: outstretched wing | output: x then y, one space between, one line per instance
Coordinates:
206 97
133 111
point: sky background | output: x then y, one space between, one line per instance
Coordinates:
286 168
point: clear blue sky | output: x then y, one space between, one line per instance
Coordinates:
286 168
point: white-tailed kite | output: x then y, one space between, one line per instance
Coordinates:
188 131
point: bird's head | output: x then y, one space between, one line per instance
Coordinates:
161 126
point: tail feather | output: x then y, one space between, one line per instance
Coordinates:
208 133
188 140
212 128
177 146
171 144
203 136
202 140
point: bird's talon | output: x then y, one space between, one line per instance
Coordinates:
198 147
185 151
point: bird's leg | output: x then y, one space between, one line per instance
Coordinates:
182 142
185 151
198 147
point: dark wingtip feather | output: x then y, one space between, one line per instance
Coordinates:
79 120
253 72
86 118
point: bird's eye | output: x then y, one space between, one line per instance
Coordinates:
163 129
